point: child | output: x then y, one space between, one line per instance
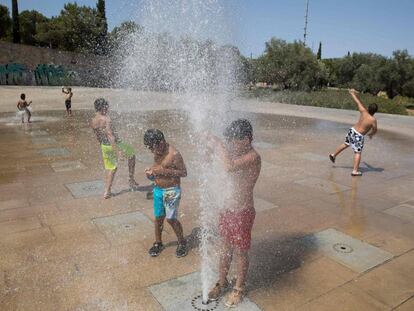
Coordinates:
111 146
68 100
166 172
23 107
242 163
355 137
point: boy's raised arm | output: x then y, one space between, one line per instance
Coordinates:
354 96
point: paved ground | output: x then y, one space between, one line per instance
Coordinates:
322 240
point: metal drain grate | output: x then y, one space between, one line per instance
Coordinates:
197 303
342 248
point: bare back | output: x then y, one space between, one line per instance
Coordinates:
365 123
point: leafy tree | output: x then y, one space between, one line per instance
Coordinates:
291 66
29 22
75 29
5 22
319 54
15 18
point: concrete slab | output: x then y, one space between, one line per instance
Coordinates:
183 294
322 184
263 205
350 252
86 188
65 166
264 145
39 133
314 157
403 211
128 227
43 140
55 152
145 158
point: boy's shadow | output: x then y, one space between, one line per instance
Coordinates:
145 188
193 239
366 168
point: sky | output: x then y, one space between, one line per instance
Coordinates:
377 26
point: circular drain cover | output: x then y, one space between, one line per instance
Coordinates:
197 303
342 248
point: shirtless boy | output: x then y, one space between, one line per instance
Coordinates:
355 138
166 172
243 164
68 100
23 105
112 147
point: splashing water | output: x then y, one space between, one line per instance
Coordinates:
178 51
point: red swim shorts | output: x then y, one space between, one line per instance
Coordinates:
235 227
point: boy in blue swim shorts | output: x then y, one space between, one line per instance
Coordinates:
166 173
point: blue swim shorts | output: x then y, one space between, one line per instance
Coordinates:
166 202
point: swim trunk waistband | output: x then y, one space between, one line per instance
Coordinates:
352 128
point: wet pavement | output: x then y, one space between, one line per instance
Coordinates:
321 240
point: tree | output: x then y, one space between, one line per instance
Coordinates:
29 23
5 22
15 18
319 54
75 29
291 66
102 40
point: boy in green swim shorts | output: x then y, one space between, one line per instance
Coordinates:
112 147
166 172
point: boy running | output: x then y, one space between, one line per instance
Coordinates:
112 147
68 100
243 164
355 136
166 172
23 107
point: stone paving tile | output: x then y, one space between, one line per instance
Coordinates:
179 295
262 205
43 140
26 239
65 166
295 288
314 157
353 253
403 211
125 228
387 285
406 306
86 188
23 224
13 203
344 298
321 184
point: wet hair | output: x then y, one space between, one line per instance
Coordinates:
239 129
372 109
101 104
153 137
23 96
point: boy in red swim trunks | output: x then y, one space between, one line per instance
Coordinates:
242 163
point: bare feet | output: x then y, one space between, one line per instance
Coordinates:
216 292
133 185
108 195
234 298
